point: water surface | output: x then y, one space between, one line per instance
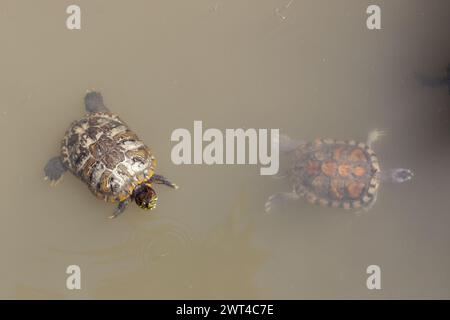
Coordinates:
310 68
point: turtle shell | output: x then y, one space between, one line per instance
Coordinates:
336 173
103 152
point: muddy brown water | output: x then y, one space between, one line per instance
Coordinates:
163 64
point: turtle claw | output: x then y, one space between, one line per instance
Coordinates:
268 205
157 178
279 176
279 198
120 209
53 183
115 214
274 201
54 170
375 135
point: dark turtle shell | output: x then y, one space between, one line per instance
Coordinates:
336 173
103 152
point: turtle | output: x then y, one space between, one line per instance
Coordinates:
335 173
109 157
434 82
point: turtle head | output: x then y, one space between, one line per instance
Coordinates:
401 175
145 196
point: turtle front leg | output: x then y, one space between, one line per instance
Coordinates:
369 206
373 136
279 198
162 180
54 169
120 208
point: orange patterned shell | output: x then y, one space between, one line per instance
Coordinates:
336 173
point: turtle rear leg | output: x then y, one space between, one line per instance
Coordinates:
285 143
94 102
163 180
373 136
279 198
54 169
280 175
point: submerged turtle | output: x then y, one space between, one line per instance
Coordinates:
435 82
343 174
104 153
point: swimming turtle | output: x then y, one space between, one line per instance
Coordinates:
104 153
434 82
344 174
